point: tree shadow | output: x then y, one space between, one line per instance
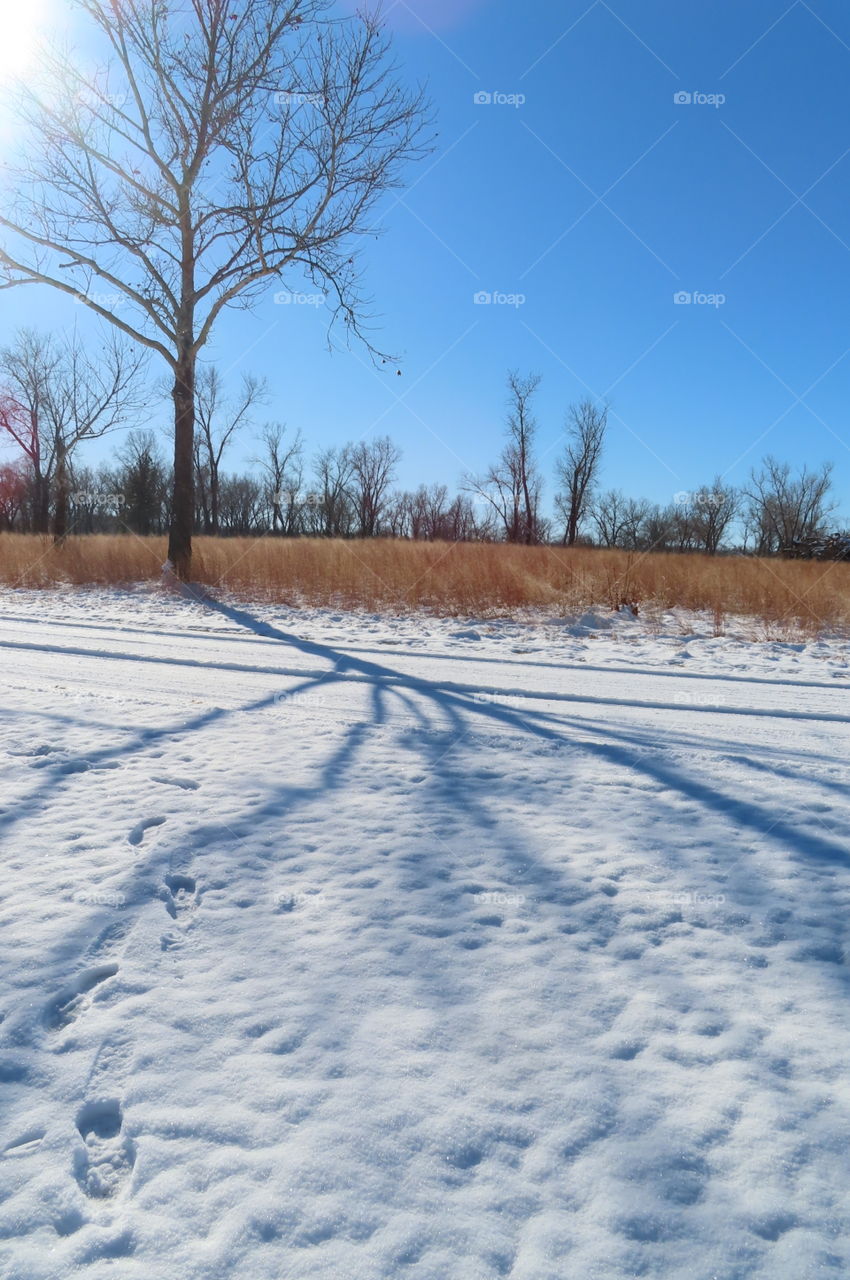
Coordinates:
445 716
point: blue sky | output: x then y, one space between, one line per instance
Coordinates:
597 200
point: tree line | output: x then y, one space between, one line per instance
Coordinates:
55 396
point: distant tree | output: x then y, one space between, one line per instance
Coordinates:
143 483
578 466
430 515
282 463
512 486
373 468
219 418
243 509
398 514
96 499
14 491
225 144
57 394
608 515
782 508
330 511
655 530
712 510
620 521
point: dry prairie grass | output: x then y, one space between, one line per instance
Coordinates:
468 578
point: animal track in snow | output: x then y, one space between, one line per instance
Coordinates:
137 835
108 1155
185 784
70 1002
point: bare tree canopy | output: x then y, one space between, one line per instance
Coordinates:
220 146
282 463
57 395
712 510
512 487
578 466
783 508
373 468
219 417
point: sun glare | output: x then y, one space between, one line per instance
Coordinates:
22 24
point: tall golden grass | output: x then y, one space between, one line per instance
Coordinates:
467 578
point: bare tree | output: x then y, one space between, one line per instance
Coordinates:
712 510
14 490
609 516
219 417
330 508
398 514
57 395
224 146
783 508
283 465
429 515
578 466
373 469
243 506
512 486
621 521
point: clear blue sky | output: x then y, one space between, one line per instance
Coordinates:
598 199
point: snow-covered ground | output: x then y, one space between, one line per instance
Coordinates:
355 947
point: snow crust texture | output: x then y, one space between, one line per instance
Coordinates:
348 947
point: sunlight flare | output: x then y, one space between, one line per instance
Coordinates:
22 25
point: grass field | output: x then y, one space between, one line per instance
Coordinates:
454 578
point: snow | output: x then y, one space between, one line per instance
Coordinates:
346 946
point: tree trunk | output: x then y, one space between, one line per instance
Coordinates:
183 507
214 502
41 505
60 512
572 522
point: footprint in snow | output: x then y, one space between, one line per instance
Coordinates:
185 784
181 894
137 835
109 936
108 1155
73 999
